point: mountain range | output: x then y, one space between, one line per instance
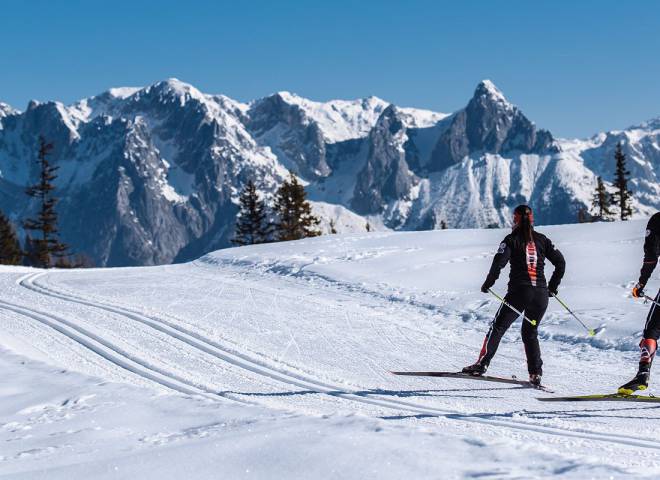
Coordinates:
152 175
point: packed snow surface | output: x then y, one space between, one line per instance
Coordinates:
272 361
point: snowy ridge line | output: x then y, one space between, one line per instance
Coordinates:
398 405
109 352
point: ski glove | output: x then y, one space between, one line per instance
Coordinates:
553 288
638 290
487 284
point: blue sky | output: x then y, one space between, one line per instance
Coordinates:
575 67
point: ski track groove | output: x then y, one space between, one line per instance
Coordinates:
109 352
254 366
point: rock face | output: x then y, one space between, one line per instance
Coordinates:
152 175
385 177
287 130
489 124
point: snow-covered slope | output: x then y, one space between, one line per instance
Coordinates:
152 175
273 361
338 120
341 120
641 144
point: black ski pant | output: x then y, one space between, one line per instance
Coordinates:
652 326
649 343
532 301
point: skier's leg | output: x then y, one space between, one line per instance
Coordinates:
500 324
651 331
648 347
535 310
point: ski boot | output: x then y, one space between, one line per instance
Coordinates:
535 379
476 369
640 382
648 347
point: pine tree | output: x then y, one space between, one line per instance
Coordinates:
29 252
48 246
295 219
583 216
443 225
333 227
622 196
251 225
601 201
10 250
368 227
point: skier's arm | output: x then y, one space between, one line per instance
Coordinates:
499 262
557 259
651 251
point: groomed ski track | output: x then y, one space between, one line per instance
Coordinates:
135 365
124 360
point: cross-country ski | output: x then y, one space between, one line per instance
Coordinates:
607 397
466 376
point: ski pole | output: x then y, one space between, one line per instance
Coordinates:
652 300
504 302
591 331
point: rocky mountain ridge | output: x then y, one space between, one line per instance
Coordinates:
152 175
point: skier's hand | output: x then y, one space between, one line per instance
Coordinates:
486 286
638 290
553 289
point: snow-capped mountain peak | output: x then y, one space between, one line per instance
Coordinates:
173 87
6 109
486 88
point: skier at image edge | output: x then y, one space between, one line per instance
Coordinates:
649 342
527 292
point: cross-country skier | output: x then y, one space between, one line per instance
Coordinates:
649 343
528 292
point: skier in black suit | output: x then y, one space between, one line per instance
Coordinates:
528 291
649 343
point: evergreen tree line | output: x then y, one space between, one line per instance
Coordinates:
606 204
41 247
290 218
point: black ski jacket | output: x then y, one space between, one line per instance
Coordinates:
527 263
651 248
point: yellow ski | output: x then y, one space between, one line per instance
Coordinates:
611 397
